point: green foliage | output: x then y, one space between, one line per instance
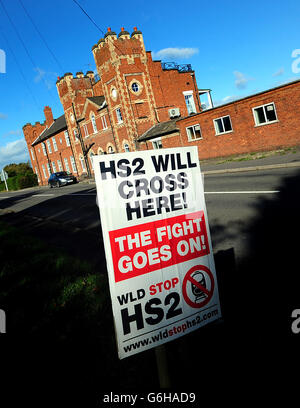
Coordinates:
48 292
19 176
15 169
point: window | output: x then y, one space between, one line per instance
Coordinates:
93 120
156 144
48 168
66 164
223 125
86 132
119 115
110 150
91 160
76 135
44 149
44 171
32 154
73 164
37 174
114 94
189 100
135 87
53 167
67 138
82 162
265 114
54 144
104 124
49 146
126 147
60 167
193 132
100 151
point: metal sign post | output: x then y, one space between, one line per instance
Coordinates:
4 177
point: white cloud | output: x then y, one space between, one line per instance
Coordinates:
230 98
174 53
13 133
14 152
3 115
241 81
286 81
227 99
279 72
47 77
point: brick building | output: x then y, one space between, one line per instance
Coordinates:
135 103
264 121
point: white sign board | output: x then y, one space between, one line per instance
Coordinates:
3 175
157 243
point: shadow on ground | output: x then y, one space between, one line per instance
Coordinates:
248 350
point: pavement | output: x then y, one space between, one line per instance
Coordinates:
260 161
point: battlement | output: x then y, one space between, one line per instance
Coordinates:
122 45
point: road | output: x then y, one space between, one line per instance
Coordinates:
69 216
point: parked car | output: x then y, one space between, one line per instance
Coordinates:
61 178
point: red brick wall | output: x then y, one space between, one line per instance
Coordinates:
168 87
246 136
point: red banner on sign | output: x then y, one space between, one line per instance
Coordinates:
155 245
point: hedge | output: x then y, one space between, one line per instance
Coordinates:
20 181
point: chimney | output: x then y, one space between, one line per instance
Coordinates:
48 116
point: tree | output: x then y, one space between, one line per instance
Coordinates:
16 169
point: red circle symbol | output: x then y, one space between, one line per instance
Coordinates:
199 295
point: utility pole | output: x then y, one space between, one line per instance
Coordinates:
84 149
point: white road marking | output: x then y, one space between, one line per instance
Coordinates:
61 195
42 195
4 197
243 192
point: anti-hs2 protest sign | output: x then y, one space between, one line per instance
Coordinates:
158 249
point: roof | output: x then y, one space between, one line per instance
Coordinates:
57 126
97 99
159 129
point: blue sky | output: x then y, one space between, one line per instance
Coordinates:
235 48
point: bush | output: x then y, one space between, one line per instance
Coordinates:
19 176
26 180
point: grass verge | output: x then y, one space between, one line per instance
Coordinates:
46 292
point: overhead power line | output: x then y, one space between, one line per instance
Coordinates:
96 25
24 46
90 18
21 71
41 36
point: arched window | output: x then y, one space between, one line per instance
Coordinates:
91 160
110 150
93 120
126 147
82 162
100 151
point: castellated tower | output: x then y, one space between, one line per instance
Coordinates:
73 91
31 133
122 65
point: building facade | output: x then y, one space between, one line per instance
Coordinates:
135 103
